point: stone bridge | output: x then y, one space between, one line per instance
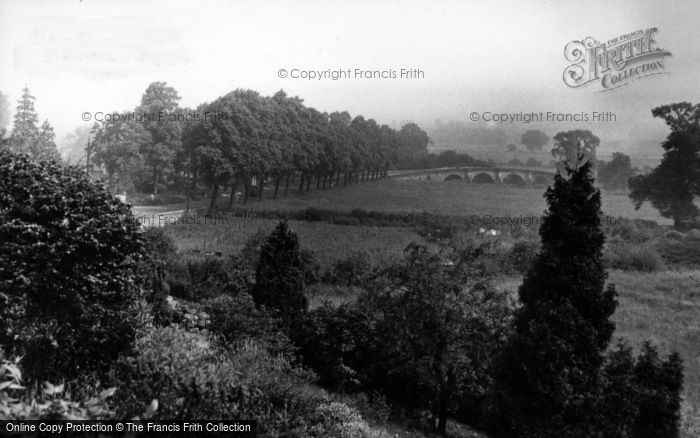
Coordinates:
489 175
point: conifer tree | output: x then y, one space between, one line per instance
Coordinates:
27 137
279 279
548 381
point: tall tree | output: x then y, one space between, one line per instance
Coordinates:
548 378
673 185
160 103
116 147
26 136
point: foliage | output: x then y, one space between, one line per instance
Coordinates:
683 252
191 379
423 334
631 257
674 183
279 279
350 270
573 149
234 319
27 137
71 269
336 420
616 174
548 374
50 403
534 139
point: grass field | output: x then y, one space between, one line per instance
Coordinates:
327 241
455 198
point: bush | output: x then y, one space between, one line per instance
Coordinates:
336 420
636 231
350 270
523 254
631 257
235 319
71 271
683 252
51 403
209 277
191 379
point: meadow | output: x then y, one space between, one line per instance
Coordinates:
455 198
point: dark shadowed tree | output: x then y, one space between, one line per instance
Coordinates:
279 278
548 378
673 185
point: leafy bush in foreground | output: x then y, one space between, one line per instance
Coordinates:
70 271
51 403
190 378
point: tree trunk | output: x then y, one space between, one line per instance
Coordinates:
301 182
246 189
277 185
214 195
325 178
318 181
309 177
286 183
337 179
357 175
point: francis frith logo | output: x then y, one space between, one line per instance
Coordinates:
615 63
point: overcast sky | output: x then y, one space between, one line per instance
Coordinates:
500 56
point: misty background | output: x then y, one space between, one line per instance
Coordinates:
501 56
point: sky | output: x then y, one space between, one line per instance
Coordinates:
495 56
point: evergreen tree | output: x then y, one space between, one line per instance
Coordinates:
279 279
26 137
548 380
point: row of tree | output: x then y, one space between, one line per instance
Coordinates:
244 139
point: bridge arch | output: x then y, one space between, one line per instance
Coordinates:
483 178
453 177
514 179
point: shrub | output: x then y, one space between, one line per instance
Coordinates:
523 254
350 270
235 319
683 252
71 270
336 420
336 344
633 257
209 277
51 403
191 379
